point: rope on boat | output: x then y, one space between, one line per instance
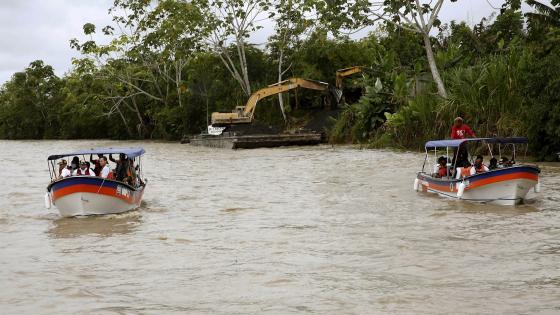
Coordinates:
101 185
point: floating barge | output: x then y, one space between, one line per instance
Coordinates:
232 141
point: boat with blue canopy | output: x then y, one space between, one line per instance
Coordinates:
79 190
457 174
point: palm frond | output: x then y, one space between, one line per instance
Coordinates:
544 15
542 8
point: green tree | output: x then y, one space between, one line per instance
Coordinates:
545 15
414 16
28 103
232 22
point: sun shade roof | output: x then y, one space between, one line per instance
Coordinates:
457 142
130 152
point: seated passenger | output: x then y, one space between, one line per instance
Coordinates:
478 166
122 166
66 172
130 177
97 165
84 170
466 170
442 166
105 170
505 162
75 163
61 166
493 164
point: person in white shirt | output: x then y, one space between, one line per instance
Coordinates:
61 166
84 170
478 166
105 169
66 172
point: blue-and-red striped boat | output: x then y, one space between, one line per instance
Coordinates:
507 184
92 195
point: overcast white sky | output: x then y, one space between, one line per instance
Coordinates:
39 29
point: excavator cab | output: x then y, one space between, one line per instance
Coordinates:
239 109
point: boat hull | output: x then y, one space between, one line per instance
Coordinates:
507 186
83 195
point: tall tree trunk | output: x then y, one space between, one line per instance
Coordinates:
140 127
230 65
178 80
280 99
125 123
244 68
433 66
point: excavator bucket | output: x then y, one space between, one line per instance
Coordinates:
337 93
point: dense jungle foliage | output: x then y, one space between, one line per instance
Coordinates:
173 62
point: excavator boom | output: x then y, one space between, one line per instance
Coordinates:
342 73
245 114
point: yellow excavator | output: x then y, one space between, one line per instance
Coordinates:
348 95
244 114
343 73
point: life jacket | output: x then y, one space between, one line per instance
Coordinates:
442 171
465 171
79 172
110 176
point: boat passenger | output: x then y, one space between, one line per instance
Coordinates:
466 170
479 166
122 166
442 167
61 166
461 130
75 163
105 171
505 162
493 164
83 170
66 172
460 156
130 177
97 166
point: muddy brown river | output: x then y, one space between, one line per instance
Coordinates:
290 230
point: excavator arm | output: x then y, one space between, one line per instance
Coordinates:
342 73
244 114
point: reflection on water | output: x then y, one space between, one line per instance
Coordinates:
291 230
96 225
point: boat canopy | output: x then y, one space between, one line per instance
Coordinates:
453 143
130 152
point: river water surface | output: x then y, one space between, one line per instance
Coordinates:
291 230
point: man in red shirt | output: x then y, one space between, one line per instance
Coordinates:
460 130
